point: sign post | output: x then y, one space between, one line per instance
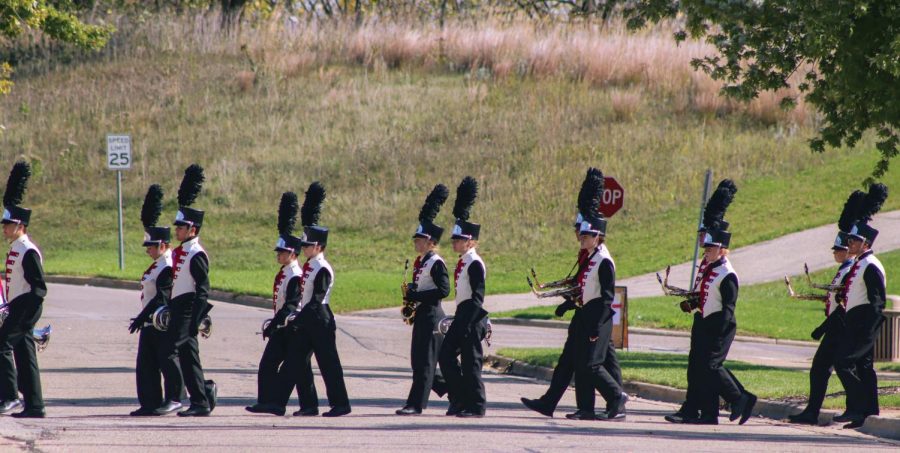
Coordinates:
118 158
706 188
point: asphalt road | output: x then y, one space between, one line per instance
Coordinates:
88 380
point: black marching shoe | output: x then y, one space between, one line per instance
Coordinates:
702 420
308 412
408 410
582 415
856 423
262 408
470 414
7 406
454 410
143 412
743 408
846 417
537 406
168 407
680 417
337 411
195 411
804 418
30 413
615 411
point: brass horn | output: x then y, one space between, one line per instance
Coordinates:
408 310
162 316
831 289
41 336
443 326
691 298
567 287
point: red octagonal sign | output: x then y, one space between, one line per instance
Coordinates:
613 197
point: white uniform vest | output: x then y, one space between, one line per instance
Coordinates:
422 277
710 294
279 289
148 281
589 280
463 286
857 293
181 267
831 303
310 270
16 285
700 269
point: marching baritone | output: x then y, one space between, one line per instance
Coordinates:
285 299
156 289
25 293
189 305
469 326
314 328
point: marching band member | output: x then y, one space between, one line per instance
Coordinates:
713 212
565 366
866 288
190 269
285 298
314 327
25 292
431 283
156 289
469 327
593 354
831 330
717 302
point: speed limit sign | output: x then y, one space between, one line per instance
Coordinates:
118 152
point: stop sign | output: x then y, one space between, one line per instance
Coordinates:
613 197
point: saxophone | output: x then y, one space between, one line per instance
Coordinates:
408 311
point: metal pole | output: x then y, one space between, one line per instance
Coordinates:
706 189
121 234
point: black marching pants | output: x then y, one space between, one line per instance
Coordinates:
314 337
424 349
594 359
463 375
184 347
153 361
823 364
855 360
18 354
270 365
715 380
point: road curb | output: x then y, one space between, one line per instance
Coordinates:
645 331
888 428
104 282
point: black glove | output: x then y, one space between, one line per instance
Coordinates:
136 324
561 309
818 333
269 330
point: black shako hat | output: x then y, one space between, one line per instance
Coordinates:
870 206
15 191
313 234
150 212
466 193
589 198
427 228
190 187
287 219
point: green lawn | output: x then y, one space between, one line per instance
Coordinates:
379 140
763 309
670 370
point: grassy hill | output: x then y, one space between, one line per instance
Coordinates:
379 131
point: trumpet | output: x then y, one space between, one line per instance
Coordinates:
162 316
408 311
40 336
691 297
567 287
831 289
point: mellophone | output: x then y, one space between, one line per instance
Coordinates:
837 290
41 336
